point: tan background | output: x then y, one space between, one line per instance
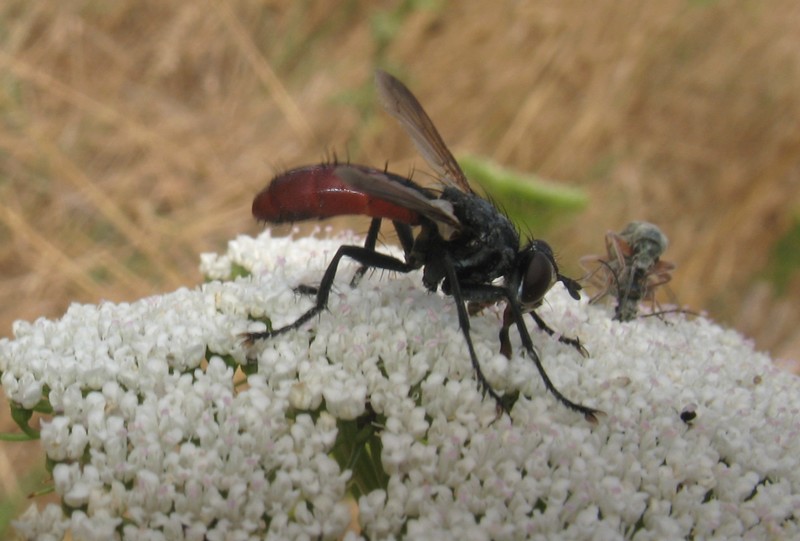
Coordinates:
134 134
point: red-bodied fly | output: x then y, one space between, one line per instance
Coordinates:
464 245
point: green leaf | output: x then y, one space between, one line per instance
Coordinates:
239 271
532 203
784 261
358 448
22 417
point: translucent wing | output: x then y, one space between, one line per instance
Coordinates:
382 187
398 101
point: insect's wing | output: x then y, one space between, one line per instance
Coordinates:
380 186
398 101
660 273
619 250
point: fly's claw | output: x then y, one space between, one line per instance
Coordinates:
501 401
591 415
576 343
250 338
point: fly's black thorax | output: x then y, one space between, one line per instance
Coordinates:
483 250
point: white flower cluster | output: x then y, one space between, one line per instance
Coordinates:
152 438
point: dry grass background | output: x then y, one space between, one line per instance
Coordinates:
134 134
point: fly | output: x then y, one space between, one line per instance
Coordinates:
465 247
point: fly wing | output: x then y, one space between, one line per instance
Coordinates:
380 186
398 101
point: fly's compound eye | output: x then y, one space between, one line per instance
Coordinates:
539 278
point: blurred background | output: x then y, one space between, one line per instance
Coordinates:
134 134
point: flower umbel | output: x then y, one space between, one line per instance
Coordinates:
155 431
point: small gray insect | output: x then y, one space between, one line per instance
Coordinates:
631 270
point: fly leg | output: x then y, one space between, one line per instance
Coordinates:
589 414
463 323
486 293
505 342
369 244
403 234
406 241
574 342
365 256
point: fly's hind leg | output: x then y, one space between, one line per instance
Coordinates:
406 241
365 256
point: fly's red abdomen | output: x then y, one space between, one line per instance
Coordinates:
315 192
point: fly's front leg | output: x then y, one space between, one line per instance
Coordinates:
589 414
574 342
508 320
365 256
484 293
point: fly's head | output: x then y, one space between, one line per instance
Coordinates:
647 243
538 272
